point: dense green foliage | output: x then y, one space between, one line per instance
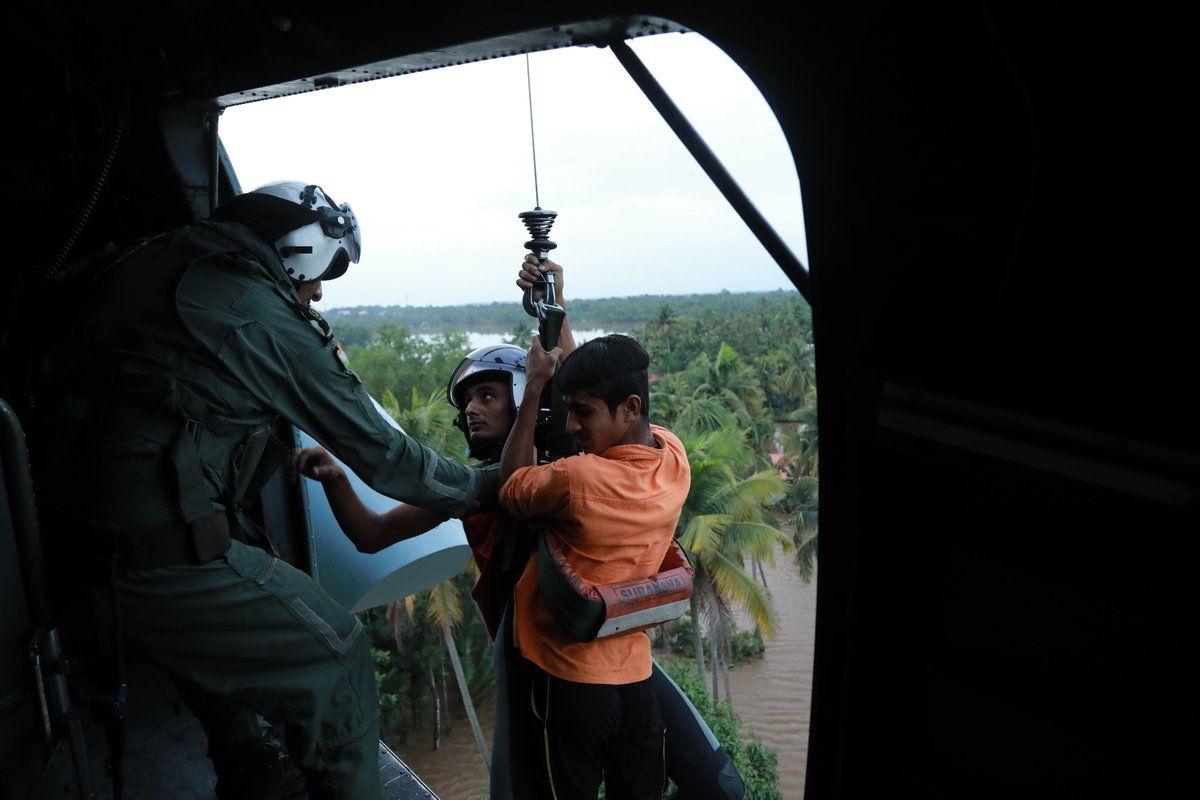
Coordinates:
410 658
397 362
757 763
677 639
733 376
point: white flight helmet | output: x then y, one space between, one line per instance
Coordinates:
321 250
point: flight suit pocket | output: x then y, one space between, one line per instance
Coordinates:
307 603
338 644
322 616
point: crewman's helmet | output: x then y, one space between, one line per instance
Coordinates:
502 362
323 249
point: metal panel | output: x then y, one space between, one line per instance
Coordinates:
400 782
585 33
359 580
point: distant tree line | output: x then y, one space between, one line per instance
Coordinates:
357 324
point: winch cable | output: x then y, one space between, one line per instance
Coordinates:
550 315
537 197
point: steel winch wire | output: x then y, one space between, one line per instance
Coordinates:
537 199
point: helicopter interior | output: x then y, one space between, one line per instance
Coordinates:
1000 209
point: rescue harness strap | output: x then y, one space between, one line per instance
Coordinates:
164 544
587 611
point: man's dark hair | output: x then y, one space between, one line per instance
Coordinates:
610 367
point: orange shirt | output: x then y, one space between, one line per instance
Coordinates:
615 514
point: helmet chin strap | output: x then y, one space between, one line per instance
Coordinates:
486 450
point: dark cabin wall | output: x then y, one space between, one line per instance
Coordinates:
997 208
1000 206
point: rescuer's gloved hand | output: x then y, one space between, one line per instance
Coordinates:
532 271
315 463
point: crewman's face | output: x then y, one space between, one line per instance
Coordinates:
309 293
597 428
488 410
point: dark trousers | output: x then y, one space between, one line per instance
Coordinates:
593 733
246 633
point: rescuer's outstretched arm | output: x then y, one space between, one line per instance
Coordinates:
370 531
286 362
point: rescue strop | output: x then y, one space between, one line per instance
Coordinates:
587 611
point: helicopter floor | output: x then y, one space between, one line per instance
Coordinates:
166 753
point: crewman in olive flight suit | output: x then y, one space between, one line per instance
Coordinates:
158 413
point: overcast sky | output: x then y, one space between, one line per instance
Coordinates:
437 166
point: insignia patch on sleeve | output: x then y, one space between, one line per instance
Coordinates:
341 355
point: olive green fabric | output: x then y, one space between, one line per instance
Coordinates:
250 629
156 402
160 400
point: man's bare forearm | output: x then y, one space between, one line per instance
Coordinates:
519 450
372 532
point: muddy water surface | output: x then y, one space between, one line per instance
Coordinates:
773 694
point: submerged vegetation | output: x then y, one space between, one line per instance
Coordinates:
734 377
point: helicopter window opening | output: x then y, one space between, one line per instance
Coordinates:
437 165
443 157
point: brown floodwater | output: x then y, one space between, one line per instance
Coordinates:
772 694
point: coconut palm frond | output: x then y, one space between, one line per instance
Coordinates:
705 414
734 583
757 539
703 533
745 499
445 604
389 403
806 556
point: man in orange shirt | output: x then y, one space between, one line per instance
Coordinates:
614 508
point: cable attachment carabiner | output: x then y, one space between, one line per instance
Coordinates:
538 222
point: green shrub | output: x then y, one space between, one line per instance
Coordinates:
757 763
745 644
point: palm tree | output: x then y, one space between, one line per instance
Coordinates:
445 611
733 382
667 399
724 520
804 464
801 445
792 373
429 420
726 376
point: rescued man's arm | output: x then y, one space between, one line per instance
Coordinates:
530 490
369 530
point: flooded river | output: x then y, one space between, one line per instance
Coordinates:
772 695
